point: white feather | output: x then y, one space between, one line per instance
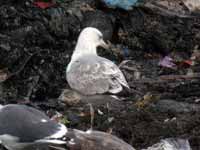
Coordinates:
62 131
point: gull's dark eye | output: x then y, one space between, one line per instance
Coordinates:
100 37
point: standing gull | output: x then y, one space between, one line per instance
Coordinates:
22 126
89 73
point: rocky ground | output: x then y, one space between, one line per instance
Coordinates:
36 45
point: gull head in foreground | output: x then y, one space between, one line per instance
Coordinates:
89 73
24 127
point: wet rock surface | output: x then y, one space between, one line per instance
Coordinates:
36 45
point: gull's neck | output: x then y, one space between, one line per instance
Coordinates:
83 49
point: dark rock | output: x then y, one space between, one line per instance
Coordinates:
150 29
175 107
99 20
61 24
36 44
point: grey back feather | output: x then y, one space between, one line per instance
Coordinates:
95 75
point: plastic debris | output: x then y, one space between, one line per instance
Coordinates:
126 52
123 4
195 57
189 62
192 5
147 99
171 144
167 62
3 75
185 63
44 5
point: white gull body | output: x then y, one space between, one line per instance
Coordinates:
89 73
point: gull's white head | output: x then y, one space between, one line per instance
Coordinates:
88 41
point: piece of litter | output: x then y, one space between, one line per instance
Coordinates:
189 62
170 120
167 62
197 100
110 119
171 144
3 75
44 5
123 4
57 117
99 112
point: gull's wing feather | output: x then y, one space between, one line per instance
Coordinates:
94 75
114 71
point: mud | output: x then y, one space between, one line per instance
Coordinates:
36 45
